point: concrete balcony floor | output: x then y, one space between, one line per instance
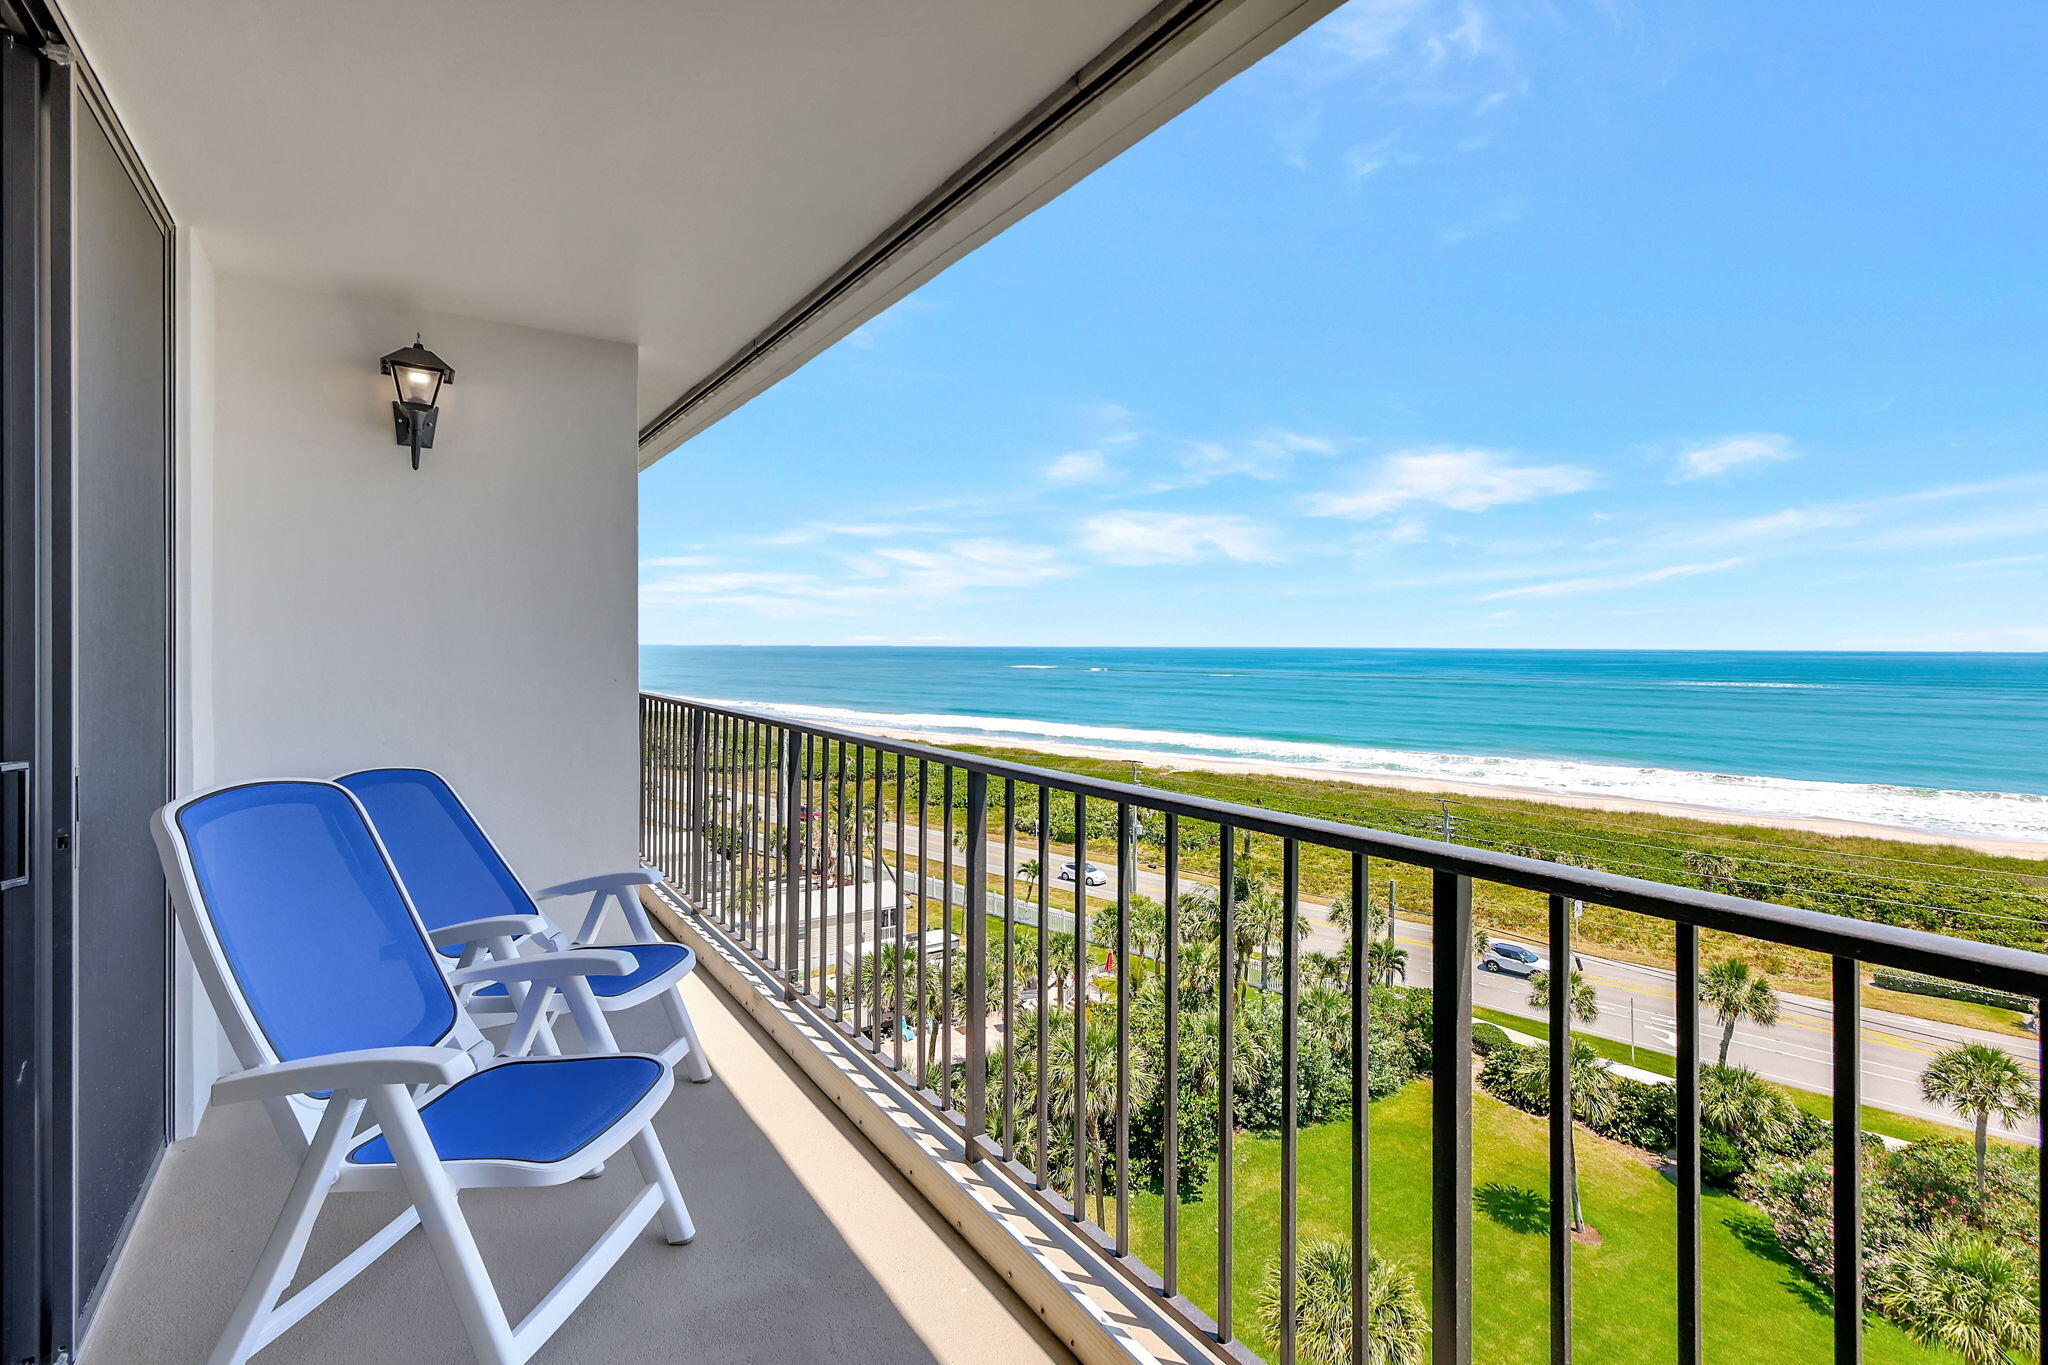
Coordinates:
809 1247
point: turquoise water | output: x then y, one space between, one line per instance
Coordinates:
1949 742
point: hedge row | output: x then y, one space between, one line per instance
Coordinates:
1913 983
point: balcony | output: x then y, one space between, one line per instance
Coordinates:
812 1248
890 894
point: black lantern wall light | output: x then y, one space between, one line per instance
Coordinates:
418 375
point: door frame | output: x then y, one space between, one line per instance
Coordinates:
36 1171
43 85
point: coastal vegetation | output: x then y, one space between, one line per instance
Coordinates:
1950 1270
1941 888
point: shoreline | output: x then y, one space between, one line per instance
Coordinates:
1720 815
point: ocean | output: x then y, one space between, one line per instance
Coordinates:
1948 743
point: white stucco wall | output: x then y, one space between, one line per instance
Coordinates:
476 617
337 610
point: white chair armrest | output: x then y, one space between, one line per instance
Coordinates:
353 1071
548 968
607 881
491 926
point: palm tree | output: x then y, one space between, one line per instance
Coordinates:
1593 1100
1979 1080
1959 1290
1059 953
1395 1318
1385 962
1261 922
1148 927
1329 971
1345 917
1716 871
1028 870
1737 993
1744 1107
1584 1004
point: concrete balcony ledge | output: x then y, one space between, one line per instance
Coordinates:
811 1247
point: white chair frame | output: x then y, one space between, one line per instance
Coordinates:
500 938
390 1085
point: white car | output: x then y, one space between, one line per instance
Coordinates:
1096 876
1502 956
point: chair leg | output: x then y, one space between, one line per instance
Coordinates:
654 1169
696 1066
447 1231
590 1022
245 1334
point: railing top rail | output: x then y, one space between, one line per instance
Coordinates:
1986 964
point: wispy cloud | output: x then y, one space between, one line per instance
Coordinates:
1077 466
2003 564
1717 457
1565 587
812 532
1174 538
1999 523
862 582
1791 523
678 562
1265 454
1461 480
1781 526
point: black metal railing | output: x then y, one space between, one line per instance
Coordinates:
813 847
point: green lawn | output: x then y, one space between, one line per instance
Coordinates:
1758 1307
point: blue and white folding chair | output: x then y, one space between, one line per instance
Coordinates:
475 907
335 1002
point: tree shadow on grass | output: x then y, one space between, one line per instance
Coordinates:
1515 1207
1759 1238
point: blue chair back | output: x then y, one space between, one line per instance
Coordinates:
449 864
312 922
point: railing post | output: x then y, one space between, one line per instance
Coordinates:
1561 1155
792 856
1848 1119
1451 1121
694 876
1688 1174
975 1106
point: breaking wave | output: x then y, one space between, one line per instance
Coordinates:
1977 814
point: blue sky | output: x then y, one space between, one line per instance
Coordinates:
1571 324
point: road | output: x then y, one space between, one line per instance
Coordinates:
1638 1004
1642 1001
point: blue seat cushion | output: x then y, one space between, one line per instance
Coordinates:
655 959
541 1109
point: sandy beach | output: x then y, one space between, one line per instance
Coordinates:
1848 829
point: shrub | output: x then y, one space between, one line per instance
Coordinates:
1397 1321
1721 1161
1390 1064
1913 983
1488 1037
1935 1185
1195 1141
1961 1291
1409 1011
1322 1065
1504 1077
1644 1115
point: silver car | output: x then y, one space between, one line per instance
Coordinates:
1502 956
1096 876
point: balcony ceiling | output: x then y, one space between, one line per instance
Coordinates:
674 173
